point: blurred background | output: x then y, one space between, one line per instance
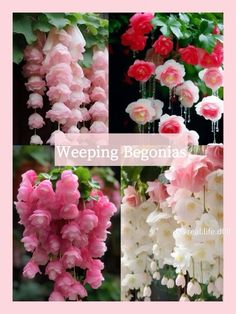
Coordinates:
40 159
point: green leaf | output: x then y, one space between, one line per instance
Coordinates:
87 61
176 31
165 30
94 184
22 24
19 44
207 42
184 17
44 176
58 20
42 24
83 174
156 21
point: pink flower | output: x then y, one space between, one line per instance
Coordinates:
134 40
32 69
30 270
157 106
157 191
72 257
141 22
131 196
51 140
99 78
98 94
85 114
171 124
53 244
211 108
141 111
64 283
100 59
99 111
69 211
141 70
84 130
35 121
94 278
33 54
77 43
98 127
77 289
30 243
189 173
58 54
36 140
77 71
189 54
36 84
54 269
40 218
170 74
76 99
59 93
215 153
88 220
59 73
40 256
44 190
70 231
35 101
59 113
193 137
97 248
212 77
188 94
56 296
163 46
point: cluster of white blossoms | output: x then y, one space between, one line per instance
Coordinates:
184 231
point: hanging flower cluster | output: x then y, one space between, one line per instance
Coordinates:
78 97
184 227
160 66
64 231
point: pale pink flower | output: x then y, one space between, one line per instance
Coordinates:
84 130
40 218
32 53
99 78
73 129
54 269
85 113
94 278
77 43
212 77
97 248
59 73
30 242
56 296
35 121
59 93
215 153
53 244
59 113
193 137
211 108
98 94
78 72
36 84
77 289
156 191
141 111
32 69
170 74
36 140
35 101
131 196
171 124
188 94
99 111
30 270
98 127
100 59
51 140
157 106
58 54
76 99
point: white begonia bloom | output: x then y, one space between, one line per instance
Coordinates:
215 181
156 275
170 283
153 266
198 289
182 259
206 228
184 237
191 288
202 252
210 287
184 298
36 140
164 281
219 284
214 200
188 210
147 291
180 281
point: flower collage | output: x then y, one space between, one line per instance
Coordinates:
123 232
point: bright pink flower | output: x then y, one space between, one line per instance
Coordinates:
216 30
94 278
209 60
212 77
40 256
36 84
156 191
215 153
54 244
134 40
211 108
54 269
45 191
88 220
141 70
97 248
59 113
40 218
35 101
98 127
188 93
141 22
59 93
72 257
163 46
171 124
69 211
63 283
70 231
33 54
77 289
141 111
30 243
59 74
170 74
131 196
99 111
56 296
189 54
30 270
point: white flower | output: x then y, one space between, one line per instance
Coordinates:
197 287
184 237
191 288
156 275
147 291
187 210
164 281
182 258
219 284
180 281
36 140
184 298
153 266
211 108
215 181
170 283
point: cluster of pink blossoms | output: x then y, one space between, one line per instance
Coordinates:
63 231
76 95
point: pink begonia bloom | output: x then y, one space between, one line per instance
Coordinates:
72 257
99 78
36 140
35 101
98 127
63 283
99 111
85 113
44 190
193 137
30 243
59 73
131 196
100 59
98 94
32 53
51 140
97 248
40 218
212 77
76 116
215 153
70 231
58 54
76 99
171 124
156 191
35 121
94 278
53 244
190 172
157 106
59 113
40 256
211 108
170 74
30 270
73 129
69 211
77 43
54 269
32 69
59 93
88 220
30 176
77 71
77 289
141 111
56 296
36 84
188 94
84 130
69 180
